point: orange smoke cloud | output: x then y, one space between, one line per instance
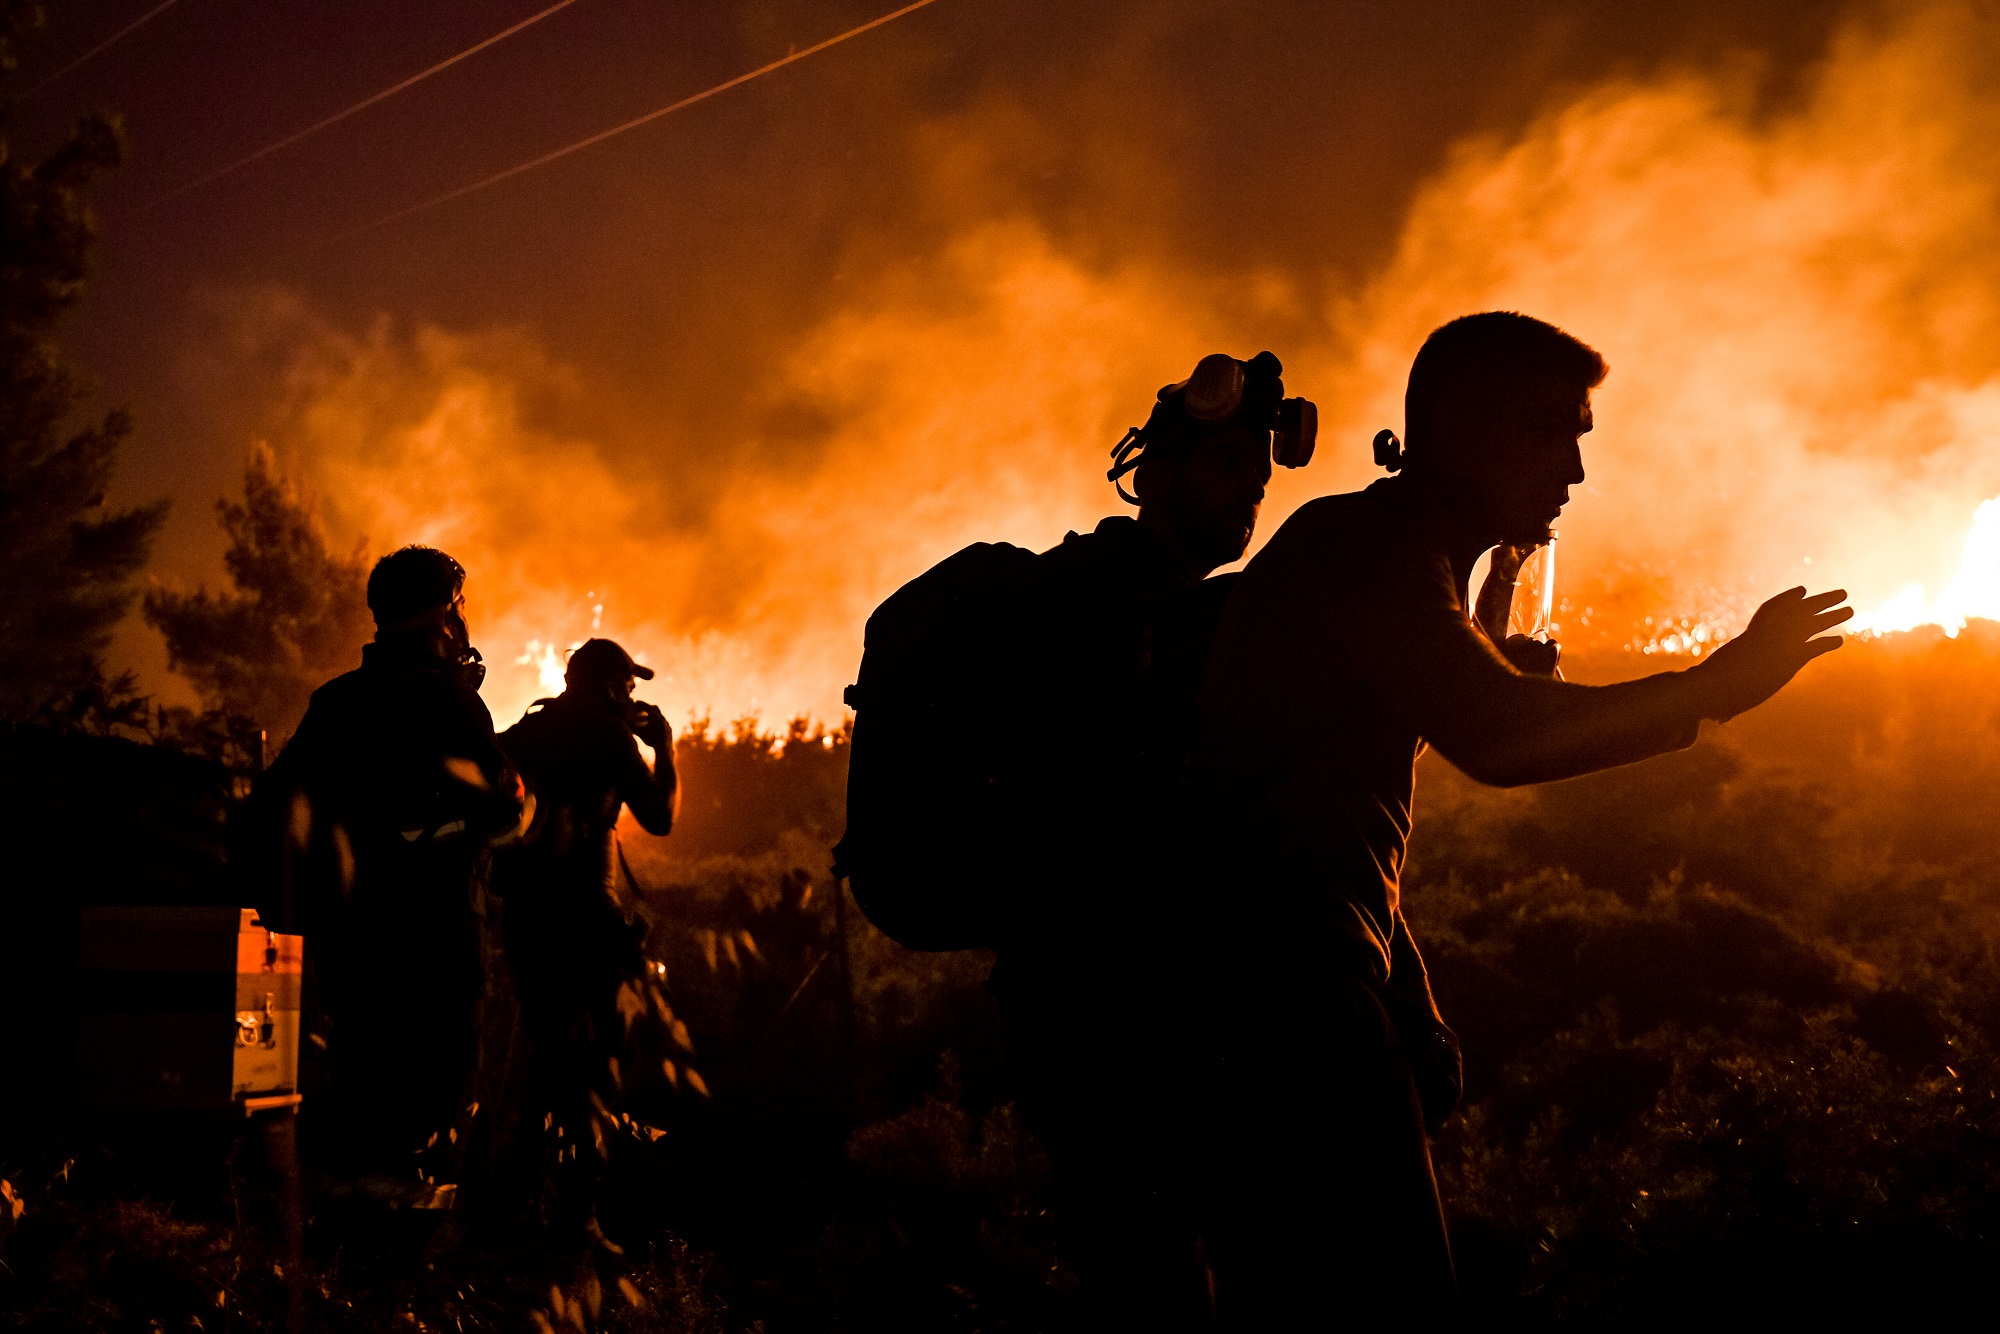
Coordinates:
1799 306
1798 301
970 401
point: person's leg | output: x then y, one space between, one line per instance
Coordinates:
1326 1207
1124 1226
1122 1211
406 1047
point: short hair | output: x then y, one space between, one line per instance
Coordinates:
411 582
1485 354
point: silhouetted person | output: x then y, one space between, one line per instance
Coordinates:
1085 977
1346 647
389 792
569 936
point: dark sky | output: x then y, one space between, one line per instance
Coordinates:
667 270
1234 133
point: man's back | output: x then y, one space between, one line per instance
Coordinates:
1111 662
1084 978
399 745
1302 763
397 771
1303 770
1089 977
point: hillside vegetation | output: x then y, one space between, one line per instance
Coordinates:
1729 1018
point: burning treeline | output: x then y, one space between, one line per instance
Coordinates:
1795 286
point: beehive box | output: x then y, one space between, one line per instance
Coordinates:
186 1008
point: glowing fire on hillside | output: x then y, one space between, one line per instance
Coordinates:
1974 591
1797 302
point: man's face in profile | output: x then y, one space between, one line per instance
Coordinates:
1211 496
621 688
455 627
1531 457
614 690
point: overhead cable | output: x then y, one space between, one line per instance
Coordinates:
615 130
107 43
362 105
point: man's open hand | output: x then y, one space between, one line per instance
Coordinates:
1787 632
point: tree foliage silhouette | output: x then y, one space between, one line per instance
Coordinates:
68 560
297 616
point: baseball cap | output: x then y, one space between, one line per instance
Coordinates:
603 660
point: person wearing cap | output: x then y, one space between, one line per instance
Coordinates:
386 799
570 937
1085 977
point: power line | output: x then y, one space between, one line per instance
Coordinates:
110 41
362 105
615 130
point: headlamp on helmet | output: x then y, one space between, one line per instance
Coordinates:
1222 391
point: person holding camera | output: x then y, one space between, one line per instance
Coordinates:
571 937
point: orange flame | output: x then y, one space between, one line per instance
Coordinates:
1973 591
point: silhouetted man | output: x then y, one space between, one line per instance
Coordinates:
1346 647
1085 979
394 784
570 942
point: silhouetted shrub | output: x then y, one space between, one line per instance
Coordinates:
1728 1014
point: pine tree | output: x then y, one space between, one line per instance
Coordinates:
297 615
68 561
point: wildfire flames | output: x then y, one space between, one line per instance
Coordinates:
1799 296
1974 591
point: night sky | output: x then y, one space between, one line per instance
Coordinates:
662 276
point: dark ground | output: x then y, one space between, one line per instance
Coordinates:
1729 1019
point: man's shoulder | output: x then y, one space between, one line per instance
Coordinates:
1346 528
1360 548
1346 515
429 700
333 721
557 724
1098 544
1119 552
441 690
535 722
344 692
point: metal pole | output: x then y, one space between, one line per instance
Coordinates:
281 1143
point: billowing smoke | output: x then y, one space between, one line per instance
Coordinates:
1798 299
974 400
1799 306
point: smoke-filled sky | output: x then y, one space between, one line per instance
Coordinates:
719 385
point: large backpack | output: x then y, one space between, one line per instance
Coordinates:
937 768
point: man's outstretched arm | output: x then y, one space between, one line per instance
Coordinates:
1507 729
